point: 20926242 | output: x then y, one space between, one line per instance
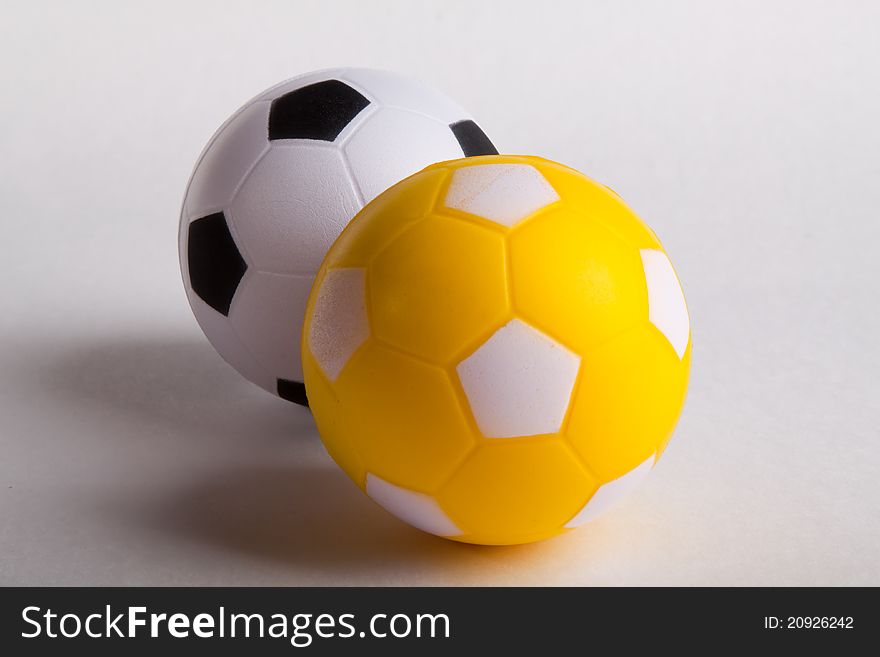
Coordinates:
808 622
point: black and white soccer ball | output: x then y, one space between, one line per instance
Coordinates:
275 186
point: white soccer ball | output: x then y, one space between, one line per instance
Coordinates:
276 185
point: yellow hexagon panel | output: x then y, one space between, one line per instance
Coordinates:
374 227
575 279
516 491
438 286
627 401
332 419
599 203
410 429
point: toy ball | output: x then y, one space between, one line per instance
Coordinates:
496 349
276 185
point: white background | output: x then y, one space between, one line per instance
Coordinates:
745 133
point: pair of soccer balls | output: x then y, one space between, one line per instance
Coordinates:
495 348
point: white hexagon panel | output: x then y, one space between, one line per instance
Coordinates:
667 309
420 133
321 197
519 382
339 323
503 193
227 161
267 326
224 337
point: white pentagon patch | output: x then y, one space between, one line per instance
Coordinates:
503 193
339 322
417 509
519 382
611 493
667 309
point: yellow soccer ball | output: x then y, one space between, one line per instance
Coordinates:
496 349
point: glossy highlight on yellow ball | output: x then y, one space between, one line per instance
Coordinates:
496 349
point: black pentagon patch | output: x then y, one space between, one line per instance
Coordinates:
472 139
318 111
215 264
292 391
